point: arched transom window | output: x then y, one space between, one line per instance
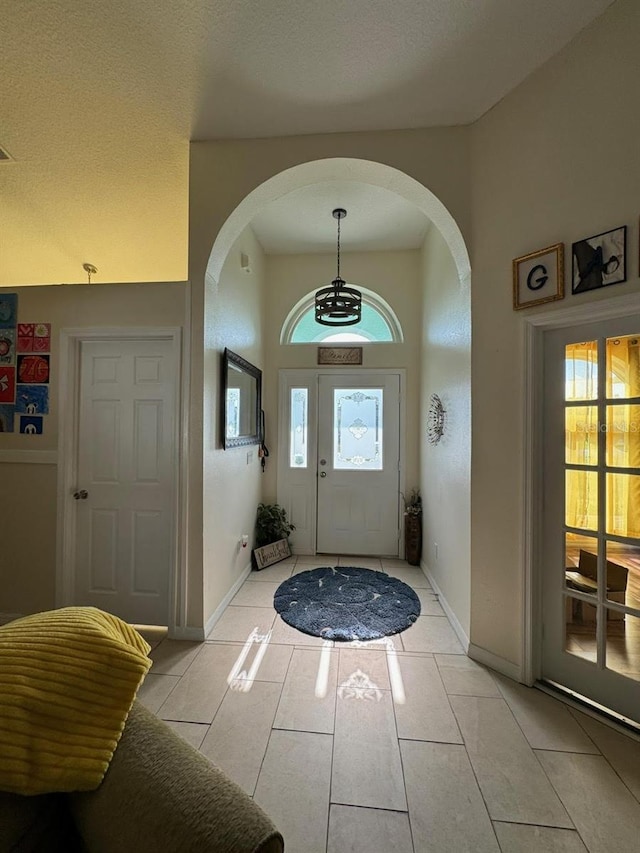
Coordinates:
378 324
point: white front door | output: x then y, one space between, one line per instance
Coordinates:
126 464
590 554
358 464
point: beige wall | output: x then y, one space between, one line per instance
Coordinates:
392 275
28 522
556 160
231 480
445 468
223 173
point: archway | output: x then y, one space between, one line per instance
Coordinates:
443 473
347 169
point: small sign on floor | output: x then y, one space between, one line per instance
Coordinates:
269 554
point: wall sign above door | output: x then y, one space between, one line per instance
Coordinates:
340 355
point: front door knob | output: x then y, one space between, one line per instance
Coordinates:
323 473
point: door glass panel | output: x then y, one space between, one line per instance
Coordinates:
581 499
357 429
623 367
580 633
623 574
581 435
576 561
623 505
623 436
298 427
623 644
581 371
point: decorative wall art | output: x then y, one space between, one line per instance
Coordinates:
340 355
32 399
24 370
7 384
538 277
34 337
30 425
33 369
7 346
599 261
8 310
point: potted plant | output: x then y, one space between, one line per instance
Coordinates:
413 527
272 535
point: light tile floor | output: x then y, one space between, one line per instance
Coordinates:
403 744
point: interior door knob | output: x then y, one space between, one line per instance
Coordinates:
323 473
81 495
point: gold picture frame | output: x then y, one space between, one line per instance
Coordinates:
538 277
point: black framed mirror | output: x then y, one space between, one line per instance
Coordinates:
242 395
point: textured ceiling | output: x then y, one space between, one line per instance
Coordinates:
100 100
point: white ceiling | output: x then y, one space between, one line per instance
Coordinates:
100 99
302 221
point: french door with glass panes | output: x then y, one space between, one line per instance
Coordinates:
591 517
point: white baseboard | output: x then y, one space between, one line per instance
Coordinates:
506 667
217 613
186 632
451 616
198 635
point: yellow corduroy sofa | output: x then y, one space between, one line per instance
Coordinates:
159 795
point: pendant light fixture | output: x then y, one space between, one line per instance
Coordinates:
338 304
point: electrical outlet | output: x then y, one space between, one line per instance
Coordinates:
249 457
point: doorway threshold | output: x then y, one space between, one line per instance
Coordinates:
602 714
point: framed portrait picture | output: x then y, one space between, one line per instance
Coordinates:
599 261
538 277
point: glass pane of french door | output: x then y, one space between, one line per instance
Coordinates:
591 530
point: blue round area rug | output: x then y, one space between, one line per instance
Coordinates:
346 603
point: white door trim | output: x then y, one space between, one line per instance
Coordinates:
309 375
69 372
535 325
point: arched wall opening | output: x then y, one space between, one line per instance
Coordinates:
336 169
437 351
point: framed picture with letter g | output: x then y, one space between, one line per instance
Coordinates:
538 277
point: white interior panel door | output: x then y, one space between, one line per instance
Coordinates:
125 485
358 464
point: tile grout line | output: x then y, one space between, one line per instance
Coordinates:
271 731
601 753
333 748
546 775
475 776
480 791
404 781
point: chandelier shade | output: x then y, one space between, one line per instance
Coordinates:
338 304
